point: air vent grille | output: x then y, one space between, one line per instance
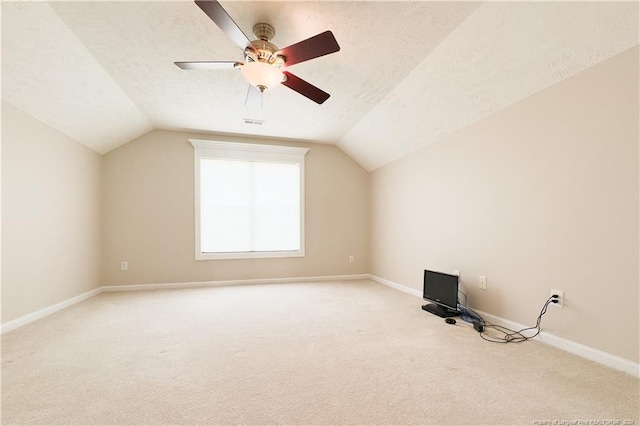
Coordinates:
253 121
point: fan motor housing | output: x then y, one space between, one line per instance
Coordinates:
264 31
265 51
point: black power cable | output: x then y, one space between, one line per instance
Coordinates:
508 335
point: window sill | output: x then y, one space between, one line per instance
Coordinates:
249 255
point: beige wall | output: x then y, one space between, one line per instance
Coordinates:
541 195
50 216
149 216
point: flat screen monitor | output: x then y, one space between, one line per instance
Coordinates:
442 291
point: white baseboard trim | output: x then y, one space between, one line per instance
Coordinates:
579 349
575 348
584 351
196 284
29 318
397 286
34 316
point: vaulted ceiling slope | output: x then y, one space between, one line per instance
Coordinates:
407 74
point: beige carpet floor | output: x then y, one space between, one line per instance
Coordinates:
312 353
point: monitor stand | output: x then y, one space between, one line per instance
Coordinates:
440 311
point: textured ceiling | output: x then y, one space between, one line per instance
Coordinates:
407 74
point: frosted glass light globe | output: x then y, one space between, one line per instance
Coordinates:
262 75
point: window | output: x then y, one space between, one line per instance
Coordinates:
249 200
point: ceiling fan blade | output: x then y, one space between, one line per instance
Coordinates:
208 65
305 89
314 47
216 12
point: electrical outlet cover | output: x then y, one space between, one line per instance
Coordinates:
482 282
560 294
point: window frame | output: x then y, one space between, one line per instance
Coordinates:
247 152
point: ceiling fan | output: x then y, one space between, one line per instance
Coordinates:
264 62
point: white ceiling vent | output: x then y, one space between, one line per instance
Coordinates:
254 121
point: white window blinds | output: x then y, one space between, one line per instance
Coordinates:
249 200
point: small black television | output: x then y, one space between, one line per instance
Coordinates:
442 291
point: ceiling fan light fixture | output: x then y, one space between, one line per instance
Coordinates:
262 75
263 59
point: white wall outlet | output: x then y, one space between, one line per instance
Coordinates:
482 282
351 259
560 294
456 272
124 265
